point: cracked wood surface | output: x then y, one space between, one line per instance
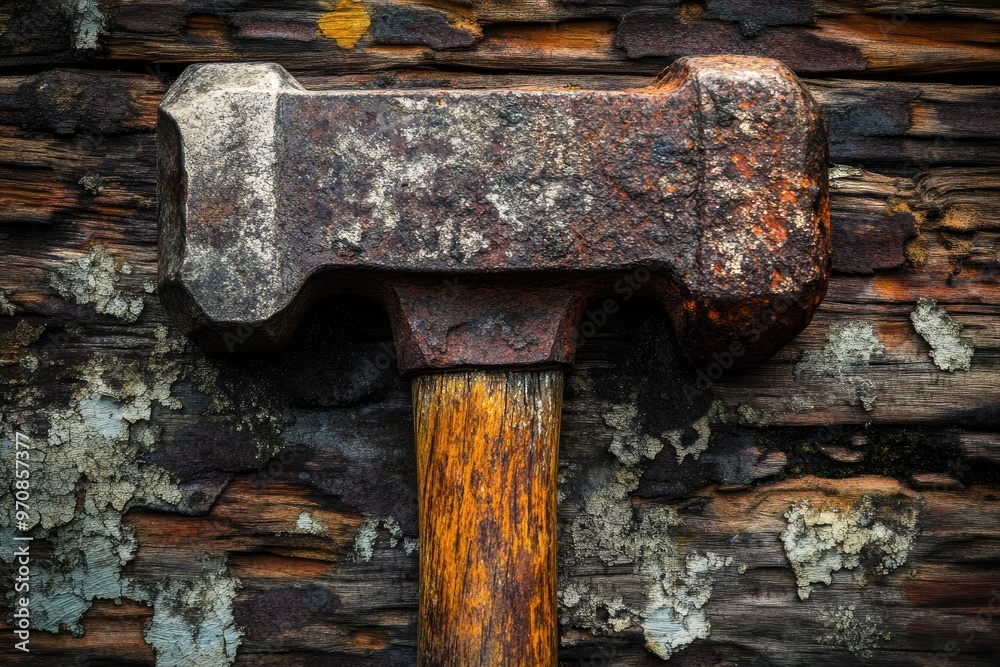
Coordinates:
687 503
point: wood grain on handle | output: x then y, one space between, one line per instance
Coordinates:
487 448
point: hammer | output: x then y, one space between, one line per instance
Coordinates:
535 202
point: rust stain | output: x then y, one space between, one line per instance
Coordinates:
628 151
346 24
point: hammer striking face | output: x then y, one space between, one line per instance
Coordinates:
711 182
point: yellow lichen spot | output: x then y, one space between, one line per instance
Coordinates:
917 249
961 218
691 11
346 24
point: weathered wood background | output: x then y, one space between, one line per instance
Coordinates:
839 505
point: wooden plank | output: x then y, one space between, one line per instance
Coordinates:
310 37
299 467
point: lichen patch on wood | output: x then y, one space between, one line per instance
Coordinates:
193 623
872 535
857 631
13 342
367 535
346 24
92 279
629 443
676 582
850 347
943 334
6 307
89 472
702 427
88 21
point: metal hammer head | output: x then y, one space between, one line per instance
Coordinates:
487 220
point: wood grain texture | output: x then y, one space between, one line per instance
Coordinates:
321 434
487 446
318 36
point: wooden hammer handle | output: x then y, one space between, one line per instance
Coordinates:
487 452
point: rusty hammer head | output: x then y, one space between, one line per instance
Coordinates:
487 220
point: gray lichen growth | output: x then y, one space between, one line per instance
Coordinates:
6 307
193 623
582 601
307 525
87 471
850 347
368 533
676 583
92 183
702 427
88 455
872 536
859 635
91 279
86 565
11 342
88 22
629 444
679 585
934 324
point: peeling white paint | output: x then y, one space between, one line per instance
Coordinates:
943 334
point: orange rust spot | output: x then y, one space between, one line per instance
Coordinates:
776 232
742 166
776 279
962 218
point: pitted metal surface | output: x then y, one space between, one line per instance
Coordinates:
271 195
